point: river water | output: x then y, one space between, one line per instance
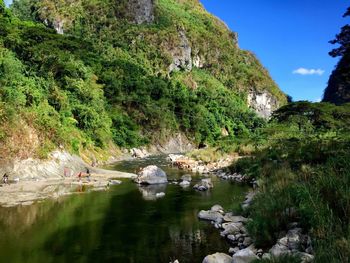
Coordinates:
123 224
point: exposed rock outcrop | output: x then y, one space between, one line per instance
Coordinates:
182 54
141 11
60 164
263 103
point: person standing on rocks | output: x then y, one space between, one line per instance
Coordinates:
5 178
88 173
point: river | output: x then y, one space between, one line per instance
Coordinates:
123 224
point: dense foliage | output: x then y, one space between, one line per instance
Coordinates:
303 171
338 90
107 80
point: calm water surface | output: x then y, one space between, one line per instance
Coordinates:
123 224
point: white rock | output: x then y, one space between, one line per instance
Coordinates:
151 175
210 215
231 228
218 258
217 208
244 256
160 195
185 184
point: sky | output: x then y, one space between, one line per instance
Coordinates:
290 37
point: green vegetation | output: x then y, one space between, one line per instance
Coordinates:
107 80
338 90
302 166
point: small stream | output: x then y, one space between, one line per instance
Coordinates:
123 224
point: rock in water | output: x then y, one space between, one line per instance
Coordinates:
151 175
185 184
186 177
211 216
204 185
218 258
244 256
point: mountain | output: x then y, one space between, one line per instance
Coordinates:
88 74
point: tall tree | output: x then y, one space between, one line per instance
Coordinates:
338 89
343 39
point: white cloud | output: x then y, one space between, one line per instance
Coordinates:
305 71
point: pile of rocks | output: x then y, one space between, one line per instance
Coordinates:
295 243
233 177
232 227
185 163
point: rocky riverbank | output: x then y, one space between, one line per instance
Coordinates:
243 250
33 180
215 168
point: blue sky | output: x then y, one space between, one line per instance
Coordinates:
290 37
287 36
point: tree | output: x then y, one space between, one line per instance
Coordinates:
343 39
2 6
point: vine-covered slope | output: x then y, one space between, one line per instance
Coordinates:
87 73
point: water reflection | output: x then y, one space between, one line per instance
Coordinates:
152 192
119 225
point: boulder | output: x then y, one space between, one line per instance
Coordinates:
244 256
218 258
160 195
185 184
186 177
235 219
204 185
211 216
231 228
151 175
139 153
217 208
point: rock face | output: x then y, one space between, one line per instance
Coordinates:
182 59
139 153
151 175
218 258
142 11
263 103
60 164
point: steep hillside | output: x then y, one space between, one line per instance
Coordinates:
338 89
127 72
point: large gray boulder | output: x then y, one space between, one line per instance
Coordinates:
211 216
218 258
244 256
151 175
